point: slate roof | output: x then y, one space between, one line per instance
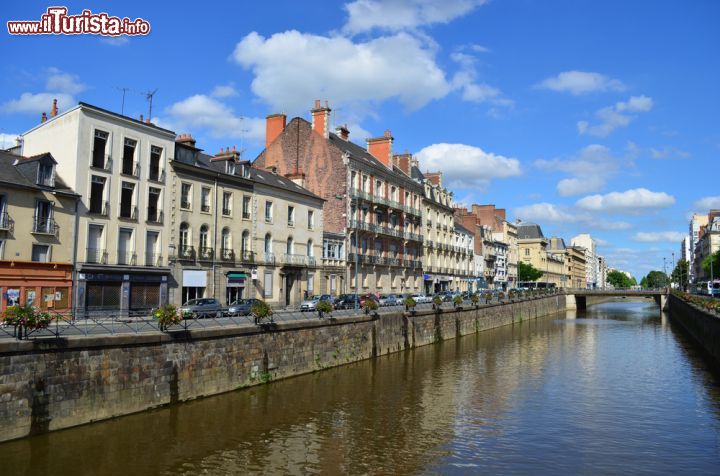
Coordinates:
462 229
529 231
557 243
24 173
416 174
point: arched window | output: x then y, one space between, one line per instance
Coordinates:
310 251
204 237
245 243
184 236
268 243
226 239
290 245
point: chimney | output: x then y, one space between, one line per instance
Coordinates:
43 118
186 139
434 177
381 148
343 132
272 169
274 125
298 178
226 154
141 118
54 110
403 162
321 118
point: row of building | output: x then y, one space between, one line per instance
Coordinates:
100 211
702 241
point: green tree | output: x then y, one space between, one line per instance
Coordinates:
715 264
656 279
680 273
620 279
527 272
644 282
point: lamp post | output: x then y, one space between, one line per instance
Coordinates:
665 269
673 266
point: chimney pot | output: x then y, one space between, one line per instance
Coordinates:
233 148
321 119
317 104
141 118
54 110
43 118
274 126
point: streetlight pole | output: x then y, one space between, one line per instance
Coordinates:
665 270
673 266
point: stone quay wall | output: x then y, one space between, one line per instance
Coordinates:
47 385
701 325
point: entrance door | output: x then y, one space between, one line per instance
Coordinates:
289 281
232 294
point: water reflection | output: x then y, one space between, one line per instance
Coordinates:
610 389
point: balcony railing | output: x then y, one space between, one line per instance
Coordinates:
45 226
96 255
226 211
268 258
247 256
155 216
6 223
104 162
126 258
153 259
156 175
185 204
297 260
205 208
227 255
186 253
246 215
205 253
128 211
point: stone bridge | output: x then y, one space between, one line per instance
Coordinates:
581 295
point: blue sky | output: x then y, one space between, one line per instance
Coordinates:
583 116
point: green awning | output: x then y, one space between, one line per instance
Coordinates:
237 275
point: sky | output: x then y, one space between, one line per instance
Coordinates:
584 116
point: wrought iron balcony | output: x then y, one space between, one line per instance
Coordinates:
205 208
96 255
293 259
186 253
205 253
268 258
247 256
153 259
126 258
6 223
227 255
45 226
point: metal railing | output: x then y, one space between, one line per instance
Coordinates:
186 253
205 253
96 255
155 216
227 254
126 258
6 223
45 226
153 259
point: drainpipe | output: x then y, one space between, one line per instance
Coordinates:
74 258
214 256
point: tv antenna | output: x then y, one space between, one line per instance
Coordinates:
122 105
149 96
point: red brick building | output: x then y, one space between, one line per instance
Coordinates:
367 191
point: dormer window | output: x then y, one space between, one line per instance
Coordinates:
230 167
46 175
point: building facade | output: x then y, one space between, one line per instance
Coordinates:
586 241
37 233
697 222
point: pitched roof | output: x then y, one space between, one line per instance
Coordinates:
462 229
12 174
529 231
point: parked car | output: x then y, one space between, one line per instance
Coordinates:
392 300
365 297
311 303
347 301
205 307
241 307
421 298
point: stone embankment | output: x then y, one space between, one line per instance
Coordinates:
48 385
701 324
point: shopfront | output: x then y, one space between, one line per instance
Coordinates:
121 291
235 286
47 286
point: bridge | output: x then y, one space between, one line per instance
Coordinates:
580 296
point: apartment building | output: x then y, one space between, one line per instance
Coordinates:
708 244
697 222
37 233
118 165
371 201
536 250
575 260
463 246
584 240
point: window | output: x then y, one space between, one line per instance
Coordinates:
230 167
41 253
125 254
290 245
151 247
2 248
128 159
99 145
184 238
246 207
95 250
43 222
310 251
205 199
97 195
333 249
310 279
227 203
203 238
4 219
268 284
155 157
153 213
226 241
291 216
268 212
353 179
527 251
268 243
365 183
311 219
393 193
379 188
186 196
46 175
245 243
126 200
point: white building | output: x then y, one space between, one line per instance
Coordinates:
584 240
696 222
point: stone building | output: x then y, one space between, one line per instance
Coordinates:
118 165
37 233
536 250
371 203
586 241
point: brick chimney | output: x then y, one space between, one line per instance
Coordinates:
226 154
381 148
321 118
403 162
434 177
186 139
343 132
298 178
274 126
54 110
43 118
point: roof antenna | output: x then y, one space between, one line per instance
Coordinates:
122 105
242 136
149 96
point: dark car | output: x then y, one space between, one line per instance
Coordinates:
347 301
241 307
204 307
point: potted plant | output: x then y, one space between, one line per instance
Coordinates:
27 318
437 302
457 302
410 304
370 305
323 307
474 298
501 296
488 298
260 310
167 315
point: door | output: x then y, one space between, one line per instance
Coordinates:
150 247
232 294
289 281
94 244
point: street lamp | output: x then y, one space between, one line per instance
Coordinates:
673 266
665 269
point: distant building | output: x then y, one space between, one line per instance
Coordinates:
697 222
586 241
536 250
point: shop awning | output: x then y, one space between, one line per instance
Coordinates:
237 275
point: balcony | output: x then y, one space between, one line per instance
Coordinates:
205 208
205 253
128 211
96 255
155 216
246 215
45 226
186 253
226 211
394 261
98 207
227 255
294 260
153 259
268 258
6 223
126 258
247 256
185 204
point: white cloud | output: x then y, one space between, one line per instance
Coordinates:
706 203
62 82
115 40
201 112
613 117
546 212
589 168
634 201
292 68
659 236
396 15
224 91
581 82
465 80
7 140
578 186
480 49
467 166
37 103
668 153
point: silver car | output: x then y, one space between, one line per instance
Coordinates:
311 304
204 307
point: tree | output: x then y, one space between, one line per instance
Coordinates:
527 272
656 279
620 279
715 264
680 273
644 282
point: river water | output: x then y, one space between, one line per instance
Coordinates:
615 389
